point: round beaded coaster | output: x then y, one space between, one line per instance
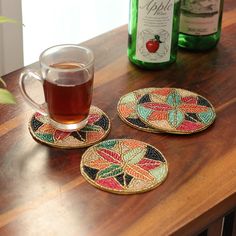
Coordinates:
175 110
96 130
126 108
124 166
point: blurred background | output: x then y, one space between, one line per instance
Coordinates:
51 22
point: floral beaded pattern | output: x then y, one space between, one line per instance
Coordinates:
97 128
124 166
126 108
175 111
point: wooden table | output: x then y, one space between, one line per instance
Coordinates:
43 193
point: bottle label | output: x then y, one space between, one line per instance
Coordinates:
154 30
199 17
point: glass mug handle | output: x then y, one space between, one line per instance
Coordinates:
34 75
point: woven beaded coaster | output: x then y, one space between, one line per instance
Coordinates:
126 108
175 110
96 130
124 166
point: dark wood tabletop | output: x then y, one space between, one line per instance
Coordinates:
42 191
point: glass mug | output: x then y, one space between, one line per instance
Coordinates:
67 73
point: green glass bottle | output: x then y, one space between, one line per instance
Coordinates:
153 32
200 24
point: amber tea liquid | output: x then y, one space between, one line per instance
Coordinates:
68 97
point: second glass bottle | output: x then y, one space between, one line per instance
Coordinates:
200 24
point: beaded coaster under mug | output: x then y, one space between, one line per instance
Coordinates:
124 166
97 129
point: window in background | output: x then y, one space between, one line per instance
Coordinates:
54 22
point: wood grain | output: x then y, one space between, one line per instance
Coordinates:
43 193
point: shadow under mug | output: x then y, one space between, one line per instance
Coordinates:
67 73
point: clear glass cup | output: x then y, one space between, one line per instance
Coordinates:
67 74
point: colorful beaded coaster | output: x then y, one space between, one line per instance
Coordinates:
126 108
124 166
175 110
96 130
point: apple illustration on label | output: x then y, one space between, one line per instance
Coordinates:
153 45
